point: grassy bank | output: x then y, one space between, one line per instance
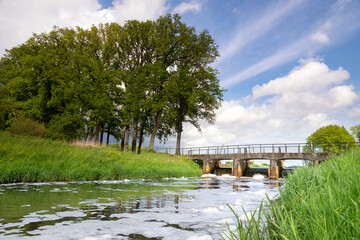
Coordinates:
321 202
314 203
28 159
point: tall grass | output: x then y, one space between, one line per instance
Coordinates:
314 203
321 202
29 159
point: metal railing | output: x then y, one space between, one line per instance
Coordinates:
262 148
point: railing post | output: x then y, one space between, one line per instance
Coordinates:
285 148
273 148
299 148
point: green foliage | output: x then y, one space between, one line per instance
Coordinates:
252 228
355 131
27 127
332 138
150 76
320 202
29 159
314 203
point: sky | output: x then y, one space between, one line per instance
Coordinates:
288 66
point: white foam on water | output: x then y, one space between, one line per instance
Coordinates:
226 221
208 176
204 237
195 207
246 215
256 183
228 176
238 202
261 192
106 236
258 176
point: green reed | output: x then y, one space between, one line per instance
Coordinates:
29 159
314 203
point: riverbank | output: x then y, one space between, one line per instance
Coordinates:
29 159
314 203
321 202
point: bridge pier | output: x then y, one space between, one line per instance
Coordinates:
275 169
208 166
239 167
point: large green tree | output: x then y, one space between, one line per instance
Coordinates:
147 78
332 138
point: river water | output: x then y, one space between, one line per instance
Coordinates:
175 208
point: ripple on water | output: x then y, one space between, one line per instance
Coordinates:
174 208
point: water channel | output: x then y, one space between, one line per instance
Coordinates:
175 208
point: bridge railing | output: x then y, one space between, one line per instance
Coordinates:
262 148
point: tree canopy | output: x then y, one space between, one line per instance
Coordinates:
332 138
355 131
142 78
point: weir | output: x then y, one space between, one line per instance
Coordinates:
208 157
242 168
209 163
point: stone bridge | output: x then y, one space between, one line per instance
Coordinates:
209 157
241 161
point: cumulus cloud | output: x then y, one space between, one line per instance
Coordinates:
308 97
312 75
354 112
193 6
329 30
19 19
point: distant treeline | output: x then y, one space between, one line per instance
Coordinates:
142 78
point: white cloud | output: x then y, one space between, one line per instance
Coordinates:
354 113
19 19
193 5
263 24
320 37
313 74
308 97
334 26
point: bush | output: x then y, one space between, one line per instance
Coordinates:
28 127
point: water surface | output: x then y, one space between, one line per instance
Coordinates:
176 208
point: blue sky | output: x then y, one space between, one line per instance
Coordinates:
289 67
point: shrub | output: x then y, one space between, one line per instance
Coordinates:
26 126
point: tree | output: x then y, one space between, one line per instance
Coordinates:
332 138
188 88
355 131
148 77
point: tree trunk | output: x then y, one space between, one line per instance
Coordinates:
156 127
97 133
134 137
108 135
178 139
86 136
141 138
91 137
122 146
127 138
101 135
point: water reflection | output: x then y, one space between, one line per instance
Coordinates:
128 210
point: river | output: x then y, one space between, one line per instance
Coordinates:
174 208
